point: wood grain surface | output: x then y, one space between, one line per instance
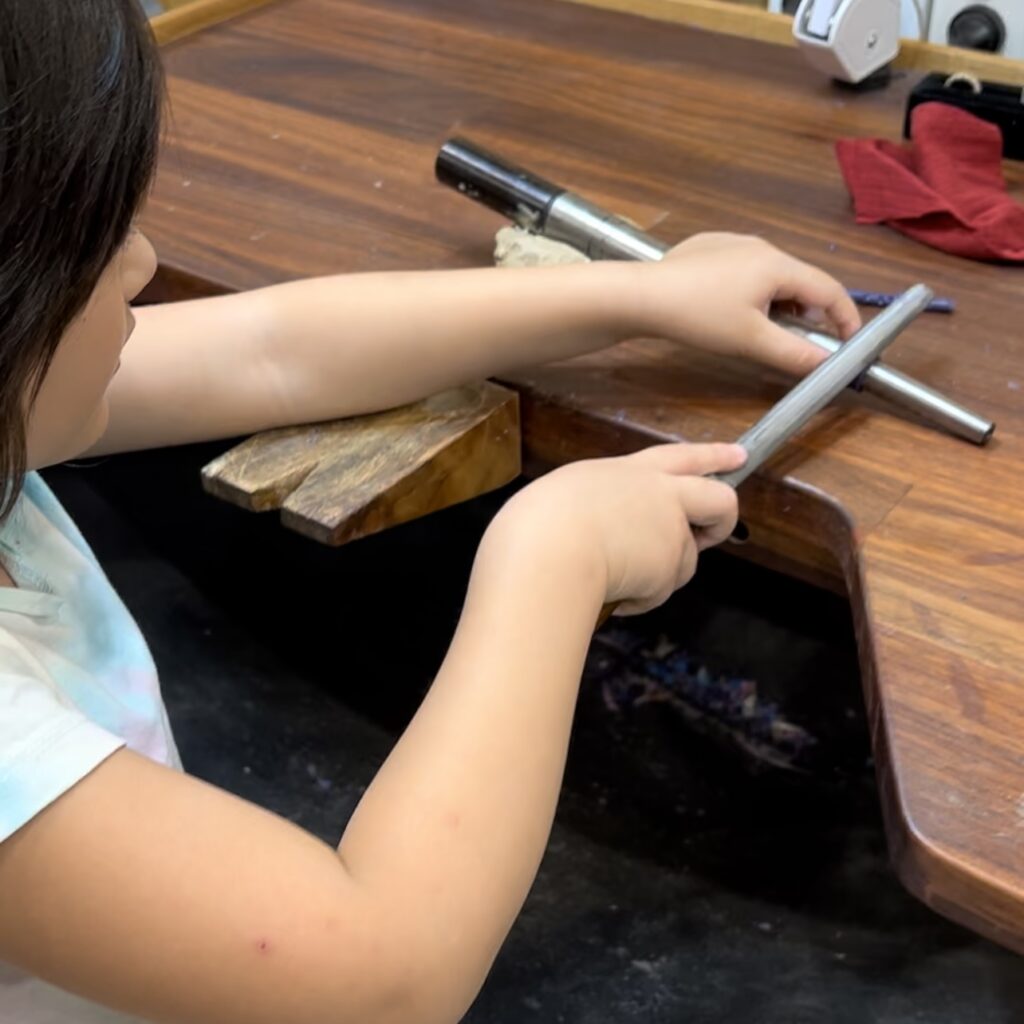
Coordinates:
337 482
303 142
729 17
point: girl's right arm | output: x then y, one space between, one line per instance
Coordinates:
156 894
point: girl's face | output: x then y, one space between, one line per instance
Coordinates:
70 413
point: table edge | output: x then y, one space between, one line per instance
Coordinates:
181 22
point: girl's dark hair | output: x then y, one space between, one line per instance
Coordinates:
81 92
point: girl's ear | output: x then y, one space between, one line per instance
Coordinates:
138 264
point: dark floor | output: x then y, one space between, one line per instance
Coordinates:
686 880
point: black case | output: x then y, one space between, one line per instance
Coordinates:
1000 104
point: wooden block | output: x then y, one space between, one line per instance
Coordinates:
336 482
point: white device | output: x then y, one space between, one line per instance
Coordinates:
911 14
848 39
994 25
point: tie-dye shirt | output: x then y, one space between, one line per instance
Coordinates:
77 682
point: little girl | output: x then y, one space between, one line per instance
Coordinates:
129 890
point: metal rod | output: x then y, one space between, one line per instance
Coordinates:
818 388
912 395
597 233
512 191
550 210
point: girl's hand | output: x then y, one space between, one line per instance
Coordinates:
715 290
634 524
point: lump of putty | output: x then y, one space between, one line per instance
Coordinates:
514 247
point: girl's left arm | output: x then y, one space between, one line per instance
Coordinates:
331 347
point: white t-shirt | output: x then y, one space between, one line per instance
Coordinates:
77 682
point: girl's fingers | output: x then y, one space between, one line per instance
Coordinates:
711 509
814 289
693 459
783 350
687 562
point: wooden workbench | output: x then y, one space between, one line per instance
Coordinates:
303 141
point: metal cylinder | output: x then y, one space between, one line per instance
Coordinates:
819 387
910 394
550 210
513 191
596 232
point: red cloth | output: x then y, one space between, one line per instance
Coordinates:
945 190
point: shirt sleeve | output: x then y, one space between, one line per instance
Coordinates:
46 746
